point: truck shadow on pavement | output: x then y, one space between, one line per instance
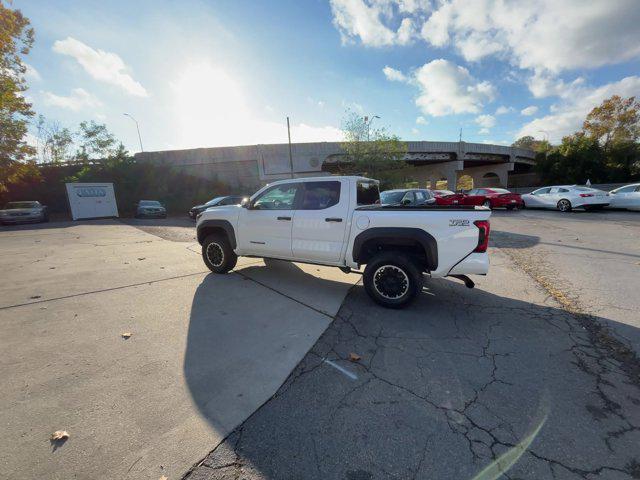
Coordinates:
438 390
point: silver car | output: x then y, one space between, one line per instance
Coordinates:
150 208
19 212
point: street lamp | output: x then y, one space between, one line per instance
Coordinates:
368 122
137 128
546 133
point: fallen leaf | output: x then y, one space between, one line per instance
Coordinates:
163 478
59 435
126 335
354 357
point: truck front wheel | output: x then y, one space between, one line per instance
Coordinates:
218 254
392 279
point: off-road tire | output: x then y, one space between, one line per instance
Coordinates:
392 279
218 254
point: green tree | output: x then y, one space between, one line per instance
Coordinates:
16 39
371 152
578 158
96 142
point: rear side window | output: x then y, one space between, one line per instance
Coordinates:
630 188
368 193
320 195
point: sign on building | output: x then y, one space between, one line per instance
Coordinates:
92 200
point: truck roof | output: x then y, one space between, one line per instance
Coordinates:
322 179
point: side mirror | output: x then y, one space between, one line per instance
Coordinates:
246 203
406 201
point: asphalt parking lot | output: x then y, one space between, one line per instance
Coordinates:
534 373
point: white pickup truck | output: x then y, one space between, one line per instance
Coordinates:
337 221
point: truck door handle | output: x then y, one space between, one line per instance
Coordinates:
332 219
288 219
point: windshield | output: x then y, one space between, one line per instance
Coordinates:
149 203
214 201
500 190
11 205
392 197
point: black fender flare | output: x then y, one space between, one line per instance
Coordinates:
395 234
217 224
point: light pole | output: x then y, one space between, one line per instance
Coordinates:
137 128
368 122
546 133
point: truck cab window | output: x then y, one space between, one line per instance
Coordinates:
368 193
320 195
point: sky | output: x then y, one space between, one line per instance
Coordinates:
198 73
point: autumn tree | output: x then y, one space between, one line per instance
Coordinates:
368 151
615 121
16 39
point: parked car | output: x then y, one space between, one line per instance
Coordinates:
216 202
348 229
150 208
625 197
447 197
492 198
411 196
27 211
566 197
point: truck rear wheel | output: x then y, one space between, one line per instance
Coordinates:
218 254
392 279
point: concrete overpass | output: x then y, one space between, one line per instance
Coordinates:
250 166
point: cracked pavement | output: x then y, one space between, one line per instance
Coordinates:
456 383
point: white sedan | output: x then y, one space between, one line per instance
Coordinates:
566 197
626 197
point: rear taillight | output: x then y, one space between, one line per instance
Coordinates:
586 195
483 235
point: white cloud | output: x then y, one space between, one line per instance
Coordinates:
422 121
484 131
368 20
31 73
103 66
394 75
528 111
502 110
486 121
575 103
446 88
415 131
209 108
78 100
541 35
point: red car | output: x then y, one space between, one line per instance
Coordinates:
447 197
493 198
